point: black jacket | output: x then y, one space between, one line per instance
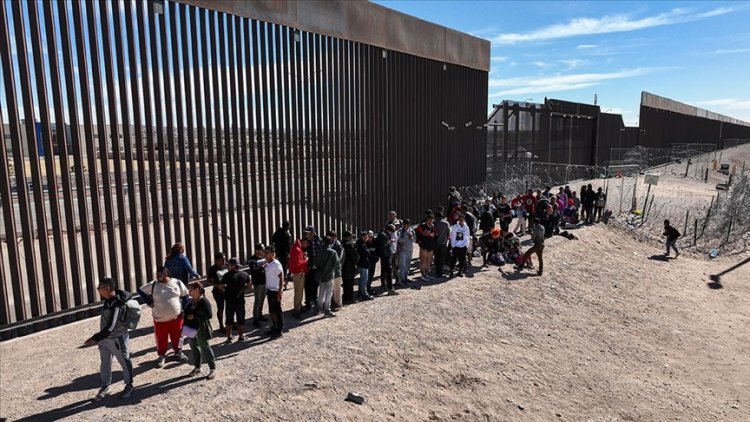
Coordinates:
282 241
351 259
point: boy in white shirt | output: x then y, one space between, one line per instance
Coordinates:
460 236
274 284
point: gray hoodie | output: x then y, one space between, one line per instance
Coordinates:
112 322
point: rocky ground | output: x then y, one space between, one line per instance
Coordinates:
610 332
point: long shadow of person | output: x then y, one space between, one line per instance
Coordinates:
715 282
660 257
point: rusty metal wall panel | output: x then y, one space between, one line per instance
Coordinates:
237 125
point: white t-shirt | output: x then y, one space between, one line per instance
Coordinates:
273 271
167 299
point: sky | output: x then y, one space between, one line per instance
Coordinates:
693 52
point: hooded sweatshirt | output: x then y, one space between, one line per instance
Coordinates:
111 324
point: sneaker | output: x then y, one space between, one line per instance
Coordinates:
228 340
676 254
160 362
182 357
102 393
211 374
329 314
418 288
194 372
460 274
393 293
241 338
127 391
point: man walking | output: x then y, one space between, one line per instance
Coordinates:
460 236
274 283
166 297
672 235
112 338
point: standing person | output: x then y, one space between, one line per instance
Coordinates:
165 296
600 201
589 202
373 261
426 237
529 201
562 196
486 220
213 277
406 238
298 269
584 198
235 282
505 213
257 266
274 282
537 235
282 241
385 251
396 222
672 235
363 265
311 286
179 265
112 338
198 316
339 249
460 236
520 211
442 235
325 262
349 268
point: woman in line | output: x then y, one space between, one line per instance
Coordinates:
179 265
198 330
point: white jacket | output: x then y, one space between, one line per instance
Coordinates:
460 235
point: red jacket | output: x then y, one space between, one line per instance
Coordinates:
297 259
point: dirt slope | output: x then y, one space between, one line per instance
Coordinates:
606 334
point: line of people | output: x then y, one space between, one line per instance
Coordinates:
323 272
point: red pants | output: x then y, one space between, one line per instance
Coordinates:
171 330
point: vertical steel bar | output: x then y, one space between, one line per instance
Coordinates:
217 53
256 152
211 128
319 145
78 140
265 172
177 54
11 236
167 53
156 32
201 116
285 150
307 106
253 103
38 202
114 137
140 227
128 241
62 146
298 107
49 159
196 240
245 142
226 165
22 193
274 67
237 181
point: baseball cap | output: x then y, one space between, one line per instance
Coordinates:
233 261
310 229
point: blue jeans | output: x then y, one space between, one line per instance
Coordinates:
363 278
404 262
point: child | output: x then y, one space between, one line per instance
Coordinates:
672 235
198 329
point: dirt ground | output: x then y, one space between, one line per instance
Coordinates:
610 332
